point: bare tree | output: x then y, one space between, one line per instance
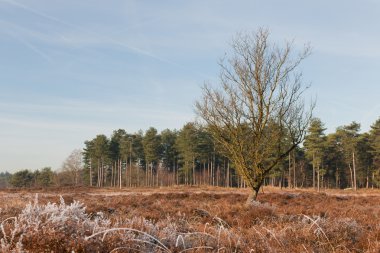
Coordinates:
258 115
73 165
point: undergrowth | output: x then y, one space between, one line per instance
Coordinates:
198 227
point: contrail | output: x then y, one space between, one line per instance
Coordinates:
36 12
33 48
26 43
114 41
41 14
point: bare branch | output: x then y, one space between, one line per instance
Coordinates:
258 115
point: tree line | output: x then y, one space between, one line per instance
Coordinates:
188 156
345 158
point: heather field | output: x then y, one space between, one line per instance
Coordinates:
184 219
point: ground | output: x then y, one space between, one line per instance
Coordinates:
189 219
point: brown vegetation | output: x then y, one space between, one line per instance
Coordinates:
192 220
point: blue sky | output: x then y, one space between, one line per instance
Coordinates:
74 69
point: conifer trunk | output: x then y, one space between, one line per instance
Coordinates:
351 175
313 171
318 178
90 173
290 173
120 175
354 169
294 171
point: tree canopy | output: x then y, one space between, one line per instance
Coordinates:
257 113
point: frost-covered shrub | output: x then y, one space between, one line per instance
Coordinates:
39 225
65 227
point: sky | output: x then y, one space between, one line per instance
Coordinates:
70 70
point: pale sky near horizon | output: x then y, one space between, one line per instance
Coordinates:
73 69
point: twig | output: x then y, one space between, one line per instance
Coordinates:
130 248
315 223
183 241
131 230
274 236
195 248
2 227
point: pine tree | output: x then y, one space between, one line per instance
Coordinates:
334 161
152 148
314 145
101 158
169 153
187 145
348 138
375 146
22 178
115 156
365 160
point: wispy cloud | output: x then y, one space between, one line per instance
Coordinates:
81 29
32 47
78 35
32 10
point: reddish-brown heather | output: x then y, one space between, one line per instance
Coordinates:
211 219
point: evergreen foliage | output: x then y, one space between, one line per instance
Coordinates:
190 156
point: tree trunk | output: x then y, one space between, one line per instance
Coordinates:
120 176
318 178
217 175
90 173
252 197
337 178
126 174
204 174
130 171
146 174
212 173
112 177
313 170
373 179
290 173
151 174
354 169
213 169
294 170
208 171
176 170
228 174
130 164
158 176
351 175
104 175
138 175
99 179
194 181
